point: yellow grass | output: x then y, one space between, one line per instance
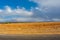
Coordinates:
30 28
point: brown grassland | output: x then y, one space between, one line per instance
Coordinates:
30 28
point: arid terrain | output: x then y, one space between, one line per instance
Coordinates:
30 28
30 31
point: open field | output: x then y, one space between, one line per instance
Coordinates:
30 28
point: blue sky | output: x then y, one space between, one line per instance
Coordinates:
29 10
21 3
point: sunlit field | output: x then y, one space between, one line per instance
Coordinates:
30 28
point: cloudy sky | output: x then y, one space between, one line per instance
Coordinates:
29 10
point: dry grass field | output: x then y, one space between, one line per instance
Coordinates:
30 28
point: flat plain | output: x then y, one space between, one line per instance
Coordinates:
30 28
30 31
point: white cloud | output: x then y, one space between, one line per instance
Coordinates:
28 19
26 15
2 20
8 9
23 12
1 10
17 11
56 19
47 4
51 8
7 12
44 6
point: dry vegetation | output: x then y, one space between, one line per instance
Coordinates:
30 28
